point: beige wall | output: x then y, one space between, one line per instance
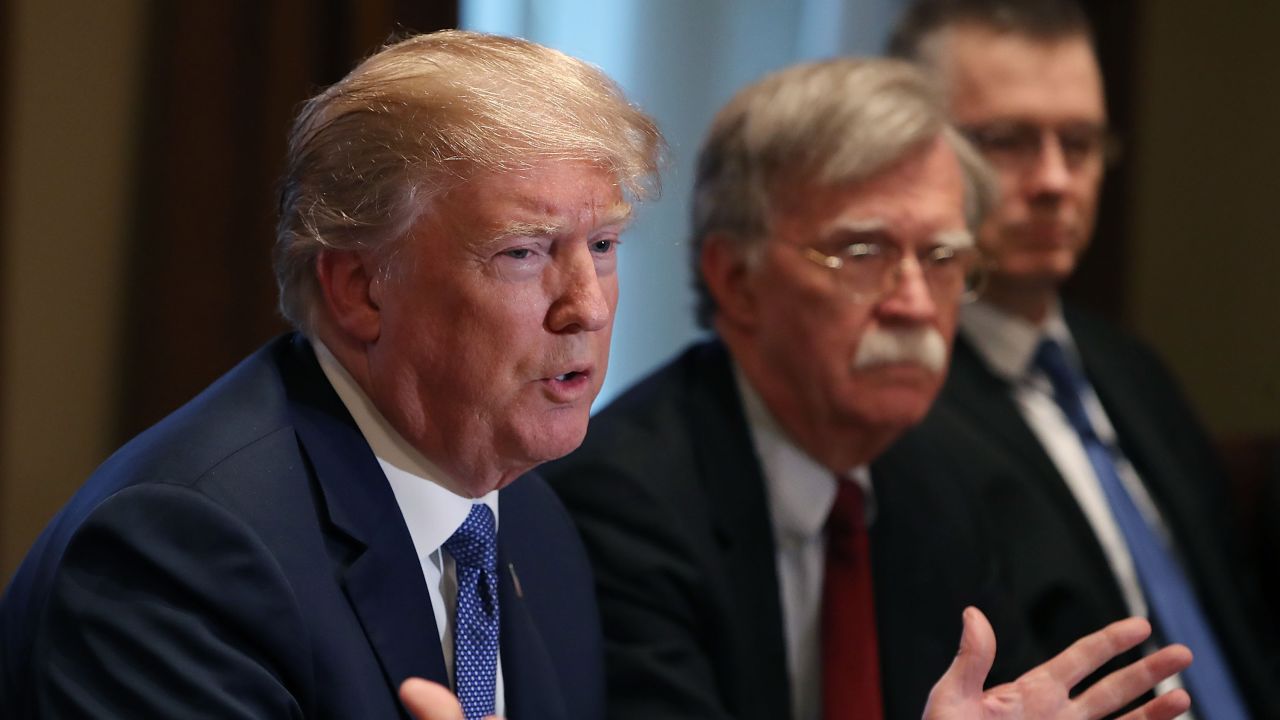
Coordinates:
74 79
1206 260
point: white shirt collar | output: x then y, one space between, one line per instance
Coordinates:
1007 342
431 511
800 490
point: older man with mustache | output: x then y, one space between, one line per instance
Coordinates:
766 542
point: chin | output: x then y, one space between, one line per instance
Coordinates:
899 407
555 439
1039 268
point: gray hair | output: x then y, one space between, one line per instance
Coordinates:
830 123
368 155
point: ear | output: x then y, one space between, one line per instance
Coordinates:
350 295
728 276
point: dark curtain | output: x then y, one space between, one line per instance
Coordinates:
5 64
1099 282
223 81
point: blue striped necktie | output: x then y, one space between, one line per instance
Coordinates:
474 548
1175 610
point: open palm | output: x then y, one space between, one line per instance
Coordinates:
1044 693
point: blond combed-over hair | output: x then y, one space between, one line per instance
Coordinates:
368 155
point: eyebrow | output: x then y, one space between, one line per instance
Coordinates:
617 214
856 225
957 238
954 238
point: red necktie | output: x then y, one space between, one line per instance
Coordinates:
850 654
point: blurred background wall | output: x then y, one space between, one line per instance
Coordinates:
141 140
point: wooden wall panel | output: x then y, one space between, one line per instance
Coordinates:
225 81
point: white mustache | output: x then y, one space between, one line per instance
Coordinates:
921 346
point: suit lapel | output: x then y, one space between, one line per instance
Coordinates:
532 688
376 562
737 501
985 401
1138 431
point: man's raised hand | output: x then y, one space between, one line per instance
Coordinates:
1044 692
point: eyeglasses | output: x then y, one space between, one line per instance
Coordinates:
872 270
1020 146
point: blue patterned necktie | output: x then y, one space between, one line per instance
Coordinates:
474 548
1174 608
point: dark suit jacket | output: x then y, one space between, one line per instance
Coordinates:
246 558
670 499
1056 567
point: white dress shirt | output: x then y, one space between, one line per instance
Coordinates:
1008 343
431 512
800 495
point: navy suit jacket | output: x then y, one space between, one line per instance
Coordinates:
246 558
672 505
1058 572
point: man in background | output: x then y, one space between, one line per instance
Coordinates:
1112 502
349 507
760 551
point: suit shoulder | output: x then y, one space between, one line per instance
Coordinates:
651 402
1091 330
154 565
649 426
239 409
646 464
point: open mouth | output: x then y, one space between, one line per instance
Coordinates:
571 375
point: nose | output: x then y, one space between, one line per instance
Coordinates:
1050 173
583 298
910 302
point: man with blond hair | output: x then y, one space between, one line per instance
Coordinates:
350 506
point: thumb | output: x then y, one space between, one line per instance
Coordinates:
963 681
429 701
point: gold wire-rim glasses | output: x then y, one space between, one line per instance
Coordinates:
935 266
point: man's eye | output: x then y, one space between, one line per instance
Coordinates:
517 253
863 252
939 256
603 246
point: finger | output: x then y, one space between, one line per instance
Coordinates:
1122 686
968 672
1166 707
1093 651
429 701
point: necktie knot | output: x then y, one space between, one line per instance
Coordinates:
848 513
1051 359
1067 382
475 543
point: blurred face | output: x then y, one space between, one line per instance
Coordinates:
1035 109
830 362
494 334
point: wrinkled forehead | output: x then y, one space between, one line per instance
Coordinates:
543 200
